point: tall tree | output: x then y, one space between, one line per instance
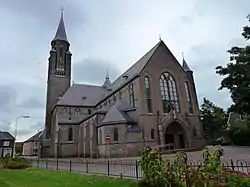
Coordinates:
237 75
213 118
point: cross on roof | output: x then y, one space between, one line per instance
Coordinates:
62 9
182 55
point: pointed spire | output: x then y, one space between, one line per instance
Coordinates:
61 31
107 74
185 65
107 82
160 37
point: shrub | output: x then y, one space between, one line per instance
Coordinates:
158 173
15 163
153 168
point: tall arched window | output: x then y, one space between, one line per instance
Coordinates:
152 133
70 138
148 94
190 107
168 93
115 134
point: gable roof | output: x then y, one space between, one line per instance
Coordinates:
131 72
34 137
135 68
114 115
81 95
6 136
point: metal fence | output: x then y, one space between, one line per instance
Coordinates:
119 168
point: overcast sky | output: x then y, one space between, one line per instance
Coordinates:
109 34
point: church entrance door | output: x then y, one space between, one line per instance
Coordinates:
175 136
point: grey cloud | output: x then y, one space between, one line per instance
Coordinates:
43 11
7 98
31 103
5 125
209 55
37 126
94 71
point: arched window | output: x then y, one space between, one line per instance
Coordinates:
115 134
70 138
152 133
168 93
190 107
148 94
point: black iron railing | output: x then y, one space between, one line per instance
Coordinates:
120 168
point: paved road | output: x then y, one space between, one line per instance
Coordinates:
127 167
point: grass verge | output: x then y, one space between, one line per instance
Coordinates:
43 178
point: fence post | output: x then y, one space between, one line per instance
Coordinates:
57 164
136 170
87 166
46 164
232 164
70 167
108 167
37 164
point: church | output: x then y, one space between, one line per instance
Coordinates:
153 103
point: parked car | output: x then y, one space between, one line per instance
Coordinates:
221 141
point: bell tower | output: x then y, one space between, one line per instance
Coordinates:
59 72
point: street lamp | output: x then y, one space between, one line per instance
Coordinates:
24 117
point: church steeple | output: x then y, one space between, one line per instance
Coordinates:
185 65
61 31
107 82
59 72
187 68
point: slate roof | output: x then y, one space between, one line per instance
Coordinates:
136 68
34 137
61 31
185 66
116 114
6 136
82 95
95 94
69 119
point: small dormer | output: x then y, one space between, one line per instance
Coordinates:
125 76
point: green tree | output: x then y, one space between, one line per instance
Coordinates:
239 132
237 75
213 118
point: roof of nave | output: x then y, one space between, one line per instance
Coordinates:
82 95
6 136
34 137
94 94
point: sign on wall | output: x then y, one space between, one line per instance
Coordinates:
6 143
107 137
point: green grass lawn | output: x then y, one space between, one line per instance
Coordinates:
42 178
